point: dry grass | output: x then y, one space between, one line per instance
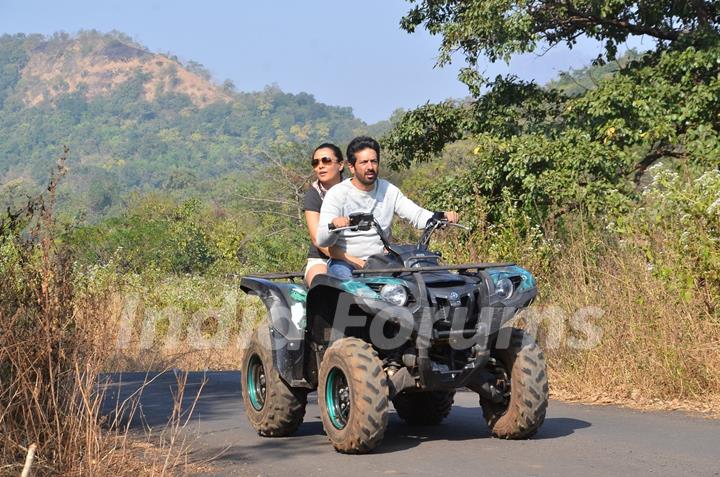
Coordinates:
47 366
53 346
659 341
658 349
145 346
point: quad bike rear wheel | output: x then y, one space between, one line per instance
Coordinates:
353 396
521 374
424 408
273 408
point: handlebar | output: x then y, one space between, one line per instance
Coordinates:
437 221
364 221
334 229
358 221
445 223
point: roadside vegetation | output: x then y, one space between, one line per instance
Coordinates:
51 352
59 330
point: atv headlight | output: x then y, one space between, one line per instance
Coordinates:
504 288
395 294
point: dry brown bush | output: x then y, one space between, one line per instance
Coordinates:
657 347
49 360
53 344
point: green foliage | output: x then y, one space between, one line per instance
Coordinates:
509 108
679 216
500 28
259 228
424 132
553 154
278 245
13 58
547 177
542 178
154 233
11 268
669 98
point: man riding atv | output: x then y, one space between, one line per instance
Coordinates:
401 328
364 192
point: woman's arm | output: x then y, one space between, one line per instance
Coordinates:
313 218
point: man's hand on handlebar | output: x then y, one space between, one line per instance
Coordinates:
339 222
355 221
449 217
452 217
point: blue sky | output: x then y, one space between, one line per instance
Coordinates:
344 53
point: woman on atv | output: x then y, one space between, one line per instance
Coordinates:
328 164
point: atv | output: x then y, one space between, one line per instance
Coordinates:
405 329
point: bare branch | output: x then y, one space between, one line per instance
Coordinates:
580 19
276 201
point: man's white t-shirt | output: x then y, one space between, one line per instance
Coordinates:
383 201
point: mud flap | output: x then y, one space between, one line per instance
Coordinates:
285 303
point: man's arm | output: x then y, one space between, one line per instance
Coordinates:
329 210
339 254
410 211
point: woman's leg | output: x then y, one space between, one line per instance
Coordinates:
314 270
314 266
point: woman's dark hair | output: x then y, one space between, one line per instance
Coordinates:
327 145
360 143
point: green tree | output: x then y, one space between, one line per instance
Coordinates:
549 153
499 29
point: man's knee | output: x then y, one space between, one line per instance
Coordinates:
340 269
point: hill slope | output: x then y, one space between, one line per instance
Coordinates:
136 120
96 64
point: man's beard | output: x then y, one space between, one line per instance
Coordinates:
365 181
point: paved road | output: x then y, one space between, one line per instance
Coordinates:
576 440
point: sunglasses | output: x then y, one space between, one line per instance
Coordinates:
325 160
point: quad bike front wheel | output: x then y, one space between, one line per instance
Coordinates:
522 377
273 408
424 408
353 396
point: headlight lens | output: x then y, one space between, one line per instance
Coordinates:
395 294
504 288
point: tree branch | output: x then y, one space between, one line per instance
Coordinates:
581 19
657 152
702 12
276 201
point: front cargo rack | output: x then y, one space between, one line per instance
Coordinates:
432 268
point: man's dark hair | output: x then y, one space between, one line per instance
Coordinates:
327 145
360 143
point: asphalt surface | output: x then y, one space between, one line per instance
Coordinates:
576 440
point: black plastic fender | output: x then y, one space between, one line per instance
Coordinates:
323 297
285 303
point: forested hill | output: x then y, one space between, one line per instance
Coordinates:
137 120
